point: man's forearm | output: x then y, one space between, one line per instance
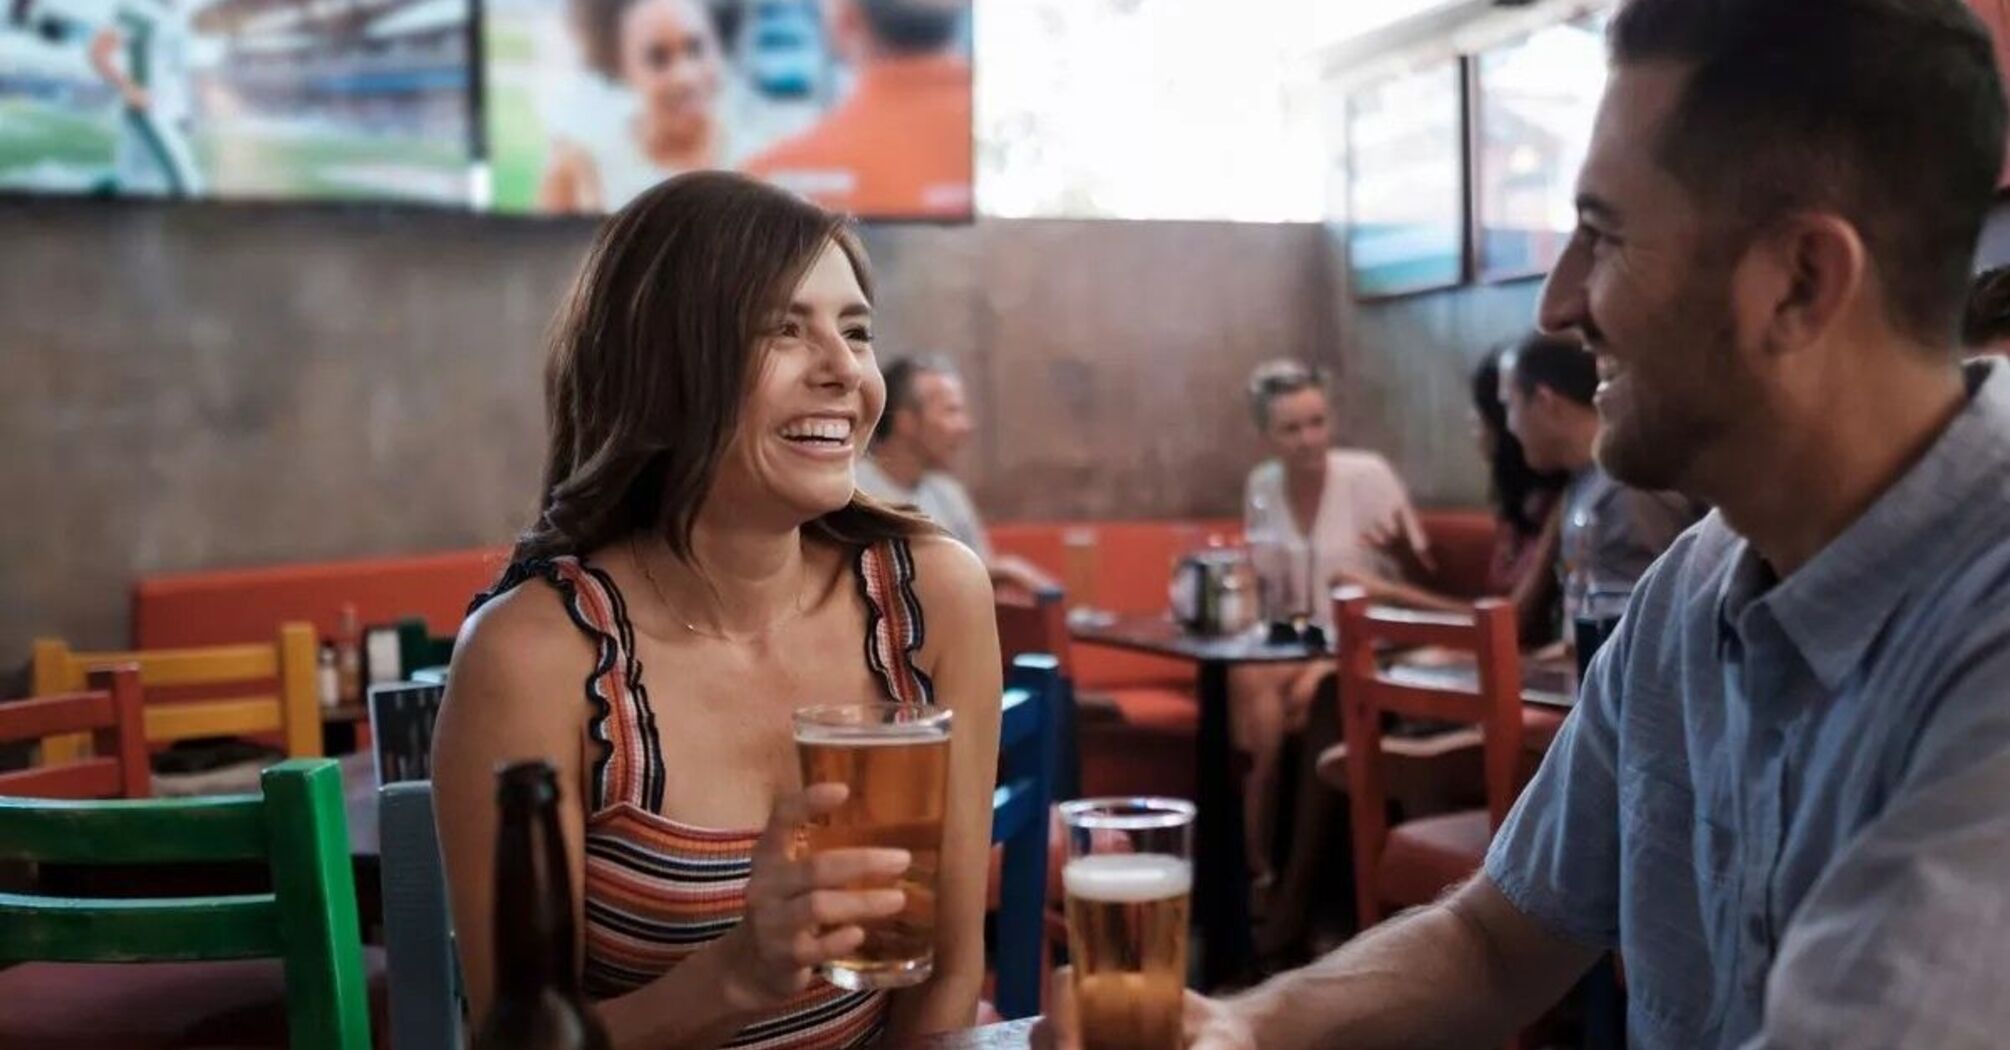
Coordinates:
1461 973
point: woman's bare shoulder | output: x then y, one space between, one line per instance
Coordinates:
520 649
949 576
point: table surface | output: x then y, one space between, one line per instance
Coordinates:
1011 1035
1160 636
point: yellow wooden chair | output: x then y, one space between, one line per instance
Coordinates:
294 714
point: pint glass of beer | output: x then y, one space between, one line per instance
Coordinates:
895 759
1128 879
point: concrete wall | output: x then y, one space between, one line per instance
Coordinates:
192 387
1404 366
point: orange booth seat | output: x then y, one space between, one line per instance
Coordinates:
1132 571
1142 745
224 606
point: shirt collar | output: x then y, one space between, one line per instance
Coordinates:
1836 604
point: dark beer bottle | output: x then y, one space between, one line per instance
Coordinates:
537 1002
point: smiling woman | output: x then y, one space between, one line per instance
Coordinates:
710 381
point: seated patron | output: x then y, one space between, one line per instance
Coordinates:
1782 792
1985 324
698 571
913 453
1610 532
1347 512
1525 505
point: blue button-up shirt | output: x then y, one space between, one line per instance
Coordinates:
1787 802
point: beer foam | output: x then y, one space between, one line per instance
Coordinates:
1127 878
879 736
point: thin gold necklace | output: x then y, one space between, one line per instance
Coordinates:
635 552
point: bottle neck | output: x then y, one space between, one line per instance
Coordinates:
534 936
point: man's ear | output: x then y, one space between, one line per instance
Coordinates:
1799 279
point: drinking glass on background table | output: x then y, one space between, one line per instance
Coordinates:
1597 615
1129 882
1078 572
895 760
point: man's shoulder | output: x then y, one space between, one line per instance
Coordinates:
942 481
1693 569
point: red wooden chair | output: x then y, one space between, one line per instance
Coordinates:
1033 622
110 711
1413 862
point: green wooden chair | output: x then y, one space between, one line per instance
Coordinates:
309 920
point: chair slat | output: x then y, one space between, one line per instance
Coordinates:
57 929
1012 808
133 831
1410 627
1018 718
1417 701
90 778
49 715
237 717
179 667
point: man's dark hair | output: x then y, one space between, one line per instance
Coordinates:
912 27
1985 322
901 377
1889 113
1557 362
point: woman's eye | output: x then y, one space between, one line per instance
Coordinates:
859 335
789 330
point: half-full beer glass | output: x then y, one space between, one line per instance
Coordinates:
1128 879
895 759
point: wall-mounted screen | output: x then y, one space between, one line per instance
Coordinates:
861 105
269 99
1536 99
1406 224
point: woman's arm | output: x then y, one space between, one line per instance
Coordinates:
514 693
1534 589
961 655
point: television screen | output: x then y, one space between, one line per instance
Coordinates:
1406 182
358 100
1537 98
860 105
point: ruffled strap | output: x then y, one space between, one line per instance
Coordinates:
894 629
628 762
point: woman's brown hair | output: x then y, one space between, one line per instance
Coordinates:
654 353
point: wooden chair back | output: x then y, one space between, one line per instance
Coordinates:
1033 622
293 713
110 714
309 920
1019 823
1367 691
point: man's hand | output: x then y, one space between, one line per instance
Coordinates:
1206 1024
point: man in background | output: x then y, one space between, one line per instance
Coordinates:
1985 322
899 144
913 449
1611 533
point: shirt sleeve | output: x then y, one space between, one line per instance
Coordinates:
1557 856
967 525
1902 941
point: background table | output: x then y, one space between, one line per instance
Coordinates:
1222 945
1012 1035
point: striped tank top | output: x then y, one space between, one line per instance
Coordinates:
657 890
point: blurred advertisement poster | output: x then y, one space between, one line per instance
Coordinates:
261 99
861 105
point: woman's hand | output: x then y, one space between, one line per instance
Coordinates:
803 910
1378 588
